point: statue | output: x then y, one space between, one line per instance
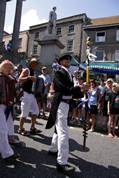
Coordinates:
52 21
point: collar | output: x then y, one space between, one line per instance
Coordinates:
65 68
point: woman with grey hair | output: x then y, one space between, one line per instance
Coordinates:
7 89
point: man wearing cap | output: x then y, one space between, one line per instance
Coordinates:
28 103
63 85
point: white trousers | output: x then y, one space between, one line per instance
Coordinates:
10 125
29 104
6 127
60 141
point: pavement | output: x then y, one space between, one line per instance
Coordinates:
100 159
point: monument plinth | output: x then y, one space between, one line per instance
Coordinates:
50 48
50 44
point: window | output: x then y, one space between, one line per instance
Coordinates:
20 43
36 35
59 31
100 36
70 45
117 35
71 29
35 48
117 55
100 55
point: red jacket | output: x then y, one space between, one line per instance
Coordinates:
7 89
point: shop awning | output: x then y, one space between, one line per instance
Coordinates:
104 67
74 62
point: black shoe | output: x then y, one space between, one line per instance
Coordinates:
34 131
11 159
65 168
52 153
23 132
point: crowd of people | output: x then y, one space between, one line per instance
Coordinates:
64 96
102 102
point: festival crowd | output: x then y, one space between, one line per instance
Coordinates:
64 96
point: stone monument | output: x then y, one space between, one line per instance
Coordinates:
50 44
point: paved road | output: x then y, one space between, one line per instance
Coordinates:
99 160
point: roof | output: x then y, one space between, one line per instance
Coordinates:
21 32
62 20
104 21
5 33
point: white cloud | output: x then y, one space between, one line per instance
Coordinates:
8 28
28 19
31 18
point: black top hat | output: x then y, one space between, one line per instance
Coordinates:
66 57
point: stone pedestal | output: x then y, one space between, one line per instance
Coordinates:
50 49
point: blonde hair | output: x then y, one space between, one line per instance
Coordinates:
4 64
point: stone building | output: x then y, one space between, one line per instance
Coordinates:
104 33
23 44
72 32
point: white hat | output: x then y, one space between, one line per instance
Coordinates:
44 67
33 60
110 80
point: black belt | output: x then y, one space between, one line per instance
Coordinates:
66 101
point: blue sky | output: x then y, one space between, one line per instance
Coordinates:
37 11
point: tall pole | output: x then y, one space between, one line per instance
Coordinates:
16 29
88 48
89 57
2 18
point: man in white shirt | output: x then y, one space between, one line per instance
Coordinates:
47 82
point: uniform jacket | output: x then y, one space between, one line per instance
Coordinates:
62 86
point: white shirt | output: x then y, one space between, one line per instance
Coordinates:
47 80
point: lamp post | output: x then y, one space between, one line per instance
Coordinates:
16 29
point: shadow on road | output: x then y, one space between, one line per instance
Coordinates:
76 146
92 170
38 164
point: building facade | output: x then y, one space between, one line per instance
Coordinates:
104 33
23 44
73 32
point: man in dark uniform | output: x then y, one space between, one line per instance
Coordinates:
63 85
